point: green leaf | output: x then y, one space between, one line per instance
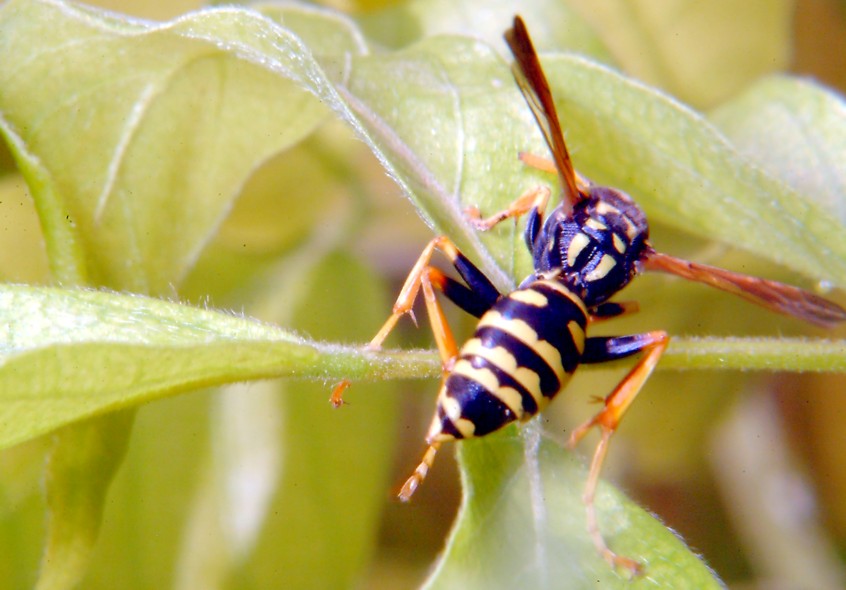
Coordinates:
793 129
69 354
622 134
701 52
80 469
522 525
553 23
173 116
444 118
168 117
255 487
763 354
683 172
21 244
322 525
457 86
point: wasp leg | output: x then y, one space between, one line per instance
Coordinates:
475 299
420 473
534 199
337 397
546 165
608 419
602 349
612 309
437 321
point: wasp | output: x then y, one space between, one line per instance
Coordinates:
529 342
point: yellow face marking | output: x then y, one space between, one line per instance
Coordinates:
578 335
577 244
529 297
524 332
604 208
606 263
596 224
619 244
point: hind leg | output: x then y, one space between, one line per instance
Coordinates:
608 419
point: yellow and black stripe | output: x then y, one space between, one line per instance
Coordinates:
523 352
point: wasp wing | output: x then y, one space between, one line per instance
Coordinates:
535 88
770 294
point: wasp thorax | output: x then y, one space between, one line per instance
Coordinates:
595 248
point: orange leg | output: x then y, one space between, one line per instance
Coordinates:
534 198
413 482
421 276
607 420
546 165
449 351
428 278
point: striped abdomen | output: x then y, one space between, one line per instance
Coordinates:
523 352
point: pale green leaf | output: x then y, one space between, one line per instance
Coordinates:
79 472
701 52
684 172
794 129
762 354
152 498
621 133
22 256
70 354
553 24
322 525
444 118
269 482
458 87
522 525
172 117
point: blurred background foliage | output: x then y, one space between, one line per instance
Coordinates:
749 469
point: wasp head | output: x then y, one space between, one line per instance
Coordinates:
596 247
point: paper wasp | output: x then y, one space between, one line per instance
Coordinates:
529 342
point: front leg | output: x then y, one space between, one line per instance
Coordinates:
475 298
534 199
